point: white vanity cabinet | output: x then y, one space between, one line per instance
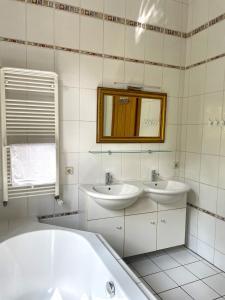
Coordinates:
140 234
144 227
112 229
171 228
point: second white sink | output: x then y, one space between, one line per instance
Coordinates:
115 196
166 191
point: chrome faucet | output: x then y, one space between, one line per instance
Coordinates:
108 178
155 175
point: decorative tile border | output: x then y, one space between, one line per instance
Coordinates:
206 25
84 52
102 16
207 212
57 215
119 20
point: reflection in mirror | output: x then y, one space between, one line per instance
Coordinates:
130 116
150 117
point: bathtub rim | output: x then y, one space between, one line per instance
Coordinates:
103 250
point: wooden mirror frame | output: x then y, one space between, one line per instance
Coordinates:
101 92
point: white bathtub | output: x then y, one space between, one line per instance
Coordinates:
57 264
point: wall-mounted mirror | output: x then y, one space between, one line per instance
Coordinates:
130 116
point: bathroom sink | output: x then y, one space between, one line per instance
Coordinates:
114 196
166 191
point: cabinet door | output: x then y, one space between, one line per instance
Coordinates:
112 229
171 228
140 234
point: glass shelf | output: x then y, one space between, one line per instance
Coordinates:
129 151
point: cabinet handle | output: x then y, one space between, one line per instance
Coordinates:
119 227
163 220
152 222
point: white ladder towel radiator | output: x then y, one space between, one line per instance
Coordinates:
29 113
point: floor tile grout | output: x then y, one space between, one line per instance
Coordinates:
197 260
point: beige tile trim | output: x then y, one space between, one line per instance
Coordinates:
207 212
119 20
84 52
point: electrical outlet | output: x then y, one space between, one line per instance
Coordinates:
69 170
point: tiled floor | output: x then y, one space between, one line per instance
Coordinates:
178 274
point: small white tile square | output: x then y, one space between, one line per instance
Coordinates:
200 291
160 282
165 262
217 283
183 256
175 294
181 275
200 269
145 267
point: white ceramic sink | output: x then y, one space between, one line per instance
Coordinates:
115 196
166 191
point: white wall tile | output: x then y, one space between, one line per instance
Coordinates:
213 104
194 138
12 55
193 221
172 49
113 71
220 232
219 260
171 81
173 21
90 71
222 172
134 73
205 251
114 35
67 29
96 5
153 75
211 139
215 83
131 166
197 80
208 198
135 42
68 103
69 133
195 109
88 137
88 104
221 203
69 194
91 34
209 169
215 8
13 19
192 166
115 8
154 46
40 58
199 47
89 168
69 160
206 228
41 32
216 39
67 66
200 12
